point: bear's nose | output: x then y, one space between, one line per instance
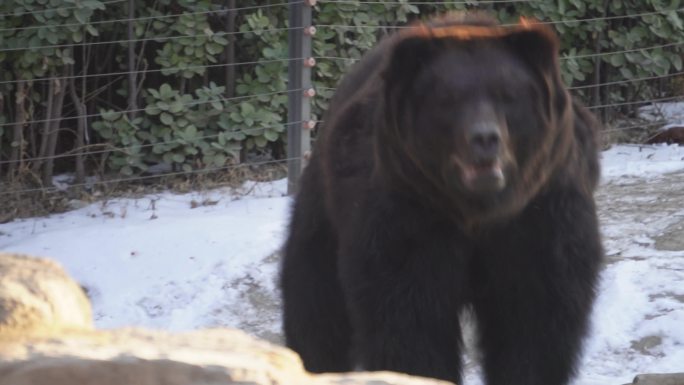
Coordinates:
484 140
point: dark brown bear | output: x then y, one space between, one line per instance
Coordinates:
454 171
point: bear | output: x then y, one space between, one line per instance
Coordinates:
453 172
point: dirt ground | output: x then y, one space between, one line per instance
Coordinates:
644 209
642 221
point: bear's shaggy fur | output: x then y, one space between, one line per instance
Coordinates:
454 170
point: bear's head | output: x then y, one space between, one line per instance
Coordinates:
474 116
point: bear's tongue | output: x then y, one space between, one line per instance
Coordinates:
484 177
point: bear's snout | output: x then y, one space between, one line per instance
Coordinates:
484 140
482 165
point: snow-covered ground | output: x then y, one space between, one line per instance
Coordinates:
158 262
673 113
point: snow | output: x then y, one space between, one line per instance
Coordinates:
640 161
672 113
158 262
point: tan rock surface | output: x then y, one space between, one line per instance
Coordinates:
143 357
47 338
659 379
37 295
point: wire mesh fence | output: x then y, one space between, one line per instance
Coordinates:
201 87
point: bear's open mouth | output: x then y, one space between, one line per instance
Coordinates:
484 176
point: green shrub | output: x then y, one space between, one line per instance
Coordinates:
194 116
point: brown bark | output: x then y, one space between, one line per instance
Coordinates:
230 48
132 76
80 128
38 164
598 75
16 153
53 133
2 110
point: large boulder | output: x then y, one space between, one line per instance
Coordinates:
659 379
144 357
46 338
37 295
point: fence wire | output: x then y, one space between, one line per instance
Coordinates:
152 71
82 151
125 111
223 10
19 14
147 177
157 39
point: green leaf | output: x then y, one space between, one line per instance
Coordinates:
52 38
152 110
246 108
103 129
110 115
176 107
271 136
167 157
190 131
68 60
178 158
220 160
166 118
213 49
617 60
77 36
260 141
82 14
626 73
158 149
92 31
219 40
676 62
165 91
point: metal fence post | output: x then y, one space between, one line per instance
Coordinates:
300 91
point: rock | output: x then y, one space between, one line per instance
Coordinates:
37 295
143 357
659 379
670 134
46 338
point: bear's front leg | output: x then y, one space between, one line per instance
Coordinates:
535 284
402 275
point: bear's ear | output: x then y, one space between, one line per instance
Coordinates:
538 45
407 57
